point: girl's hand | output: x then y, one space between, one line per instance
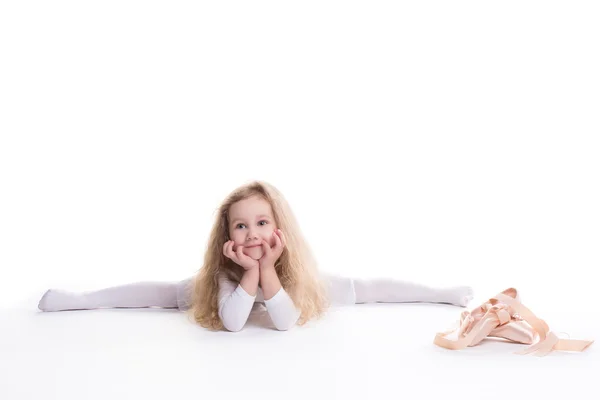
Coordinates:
272 254
238 256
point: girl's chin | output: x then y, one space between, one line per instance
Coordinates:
254 253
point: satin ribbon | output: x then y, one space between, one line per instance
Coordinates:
504 316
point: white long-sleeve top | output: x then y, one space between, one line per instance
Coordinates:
235 305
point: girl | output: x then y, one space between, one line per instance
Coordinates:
255 254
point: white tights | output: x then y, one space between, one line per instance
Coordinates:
133 295
165 294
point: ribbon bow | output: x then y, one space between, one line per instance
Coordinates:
505 317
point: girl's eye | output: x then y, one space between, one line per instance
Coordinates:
261 222
240 226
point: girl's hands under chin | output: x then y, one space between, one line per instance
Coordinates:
272 254
238 256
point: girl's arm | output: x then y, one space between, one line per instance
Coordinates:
236 301
280 306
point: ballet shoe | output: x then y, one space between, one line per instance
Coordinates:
504 316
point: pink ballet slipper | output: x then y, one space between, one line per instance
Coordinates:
503 316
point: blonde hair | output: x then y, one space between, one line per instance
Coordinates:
296 268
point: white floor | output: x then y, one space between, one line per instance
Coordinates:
360 352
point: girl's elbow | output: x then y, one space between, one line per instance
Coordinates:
285 326
232 324
233 327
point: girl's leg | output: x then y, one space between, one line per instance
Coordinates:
344 291
134 295
397 291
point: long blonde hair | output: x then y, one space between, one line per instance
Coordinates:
296 268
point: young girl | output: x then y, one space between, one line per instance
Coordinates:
255 254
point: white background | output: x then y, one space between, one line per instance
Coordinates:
442 142
432 141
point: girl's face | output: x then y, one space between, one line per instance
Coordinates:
250 221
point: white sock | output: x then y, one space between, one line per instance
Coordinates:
395 291
133 295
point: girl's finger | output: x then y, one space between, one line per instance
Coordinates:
233 254
265 246
278 242
282 236
283 239
227 249
239 253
